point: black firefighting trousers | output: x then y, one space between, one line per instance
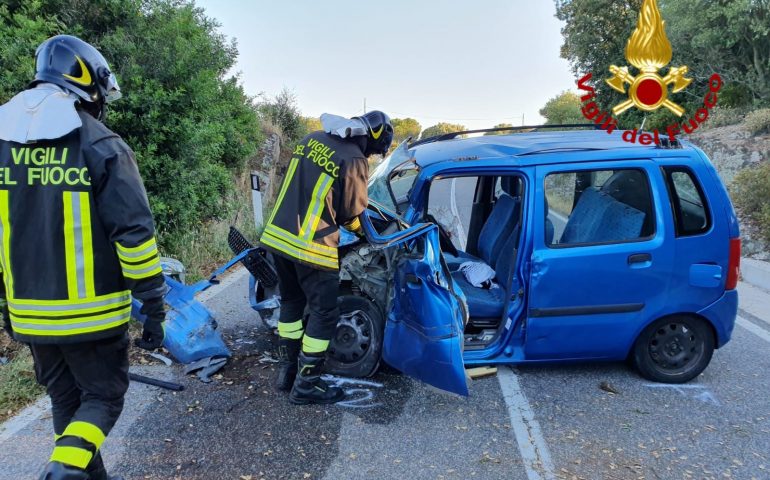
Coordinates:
87 383
303 286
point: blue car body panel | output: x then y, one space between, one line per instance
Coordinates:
587 302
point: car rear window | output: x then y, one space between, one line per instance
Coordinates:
687 202
598 207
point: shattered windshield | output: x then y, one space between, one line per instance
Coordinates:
402 168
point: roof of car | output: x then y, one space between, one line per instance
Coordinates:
522 145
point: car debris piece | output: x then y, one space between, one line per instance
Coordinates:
609 388
155 382
481 372
167 361
206 367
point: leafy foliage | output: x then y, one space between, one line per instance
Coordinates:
191 125
731 38
442 128
404 128
282 111
758 122
750 192
563 109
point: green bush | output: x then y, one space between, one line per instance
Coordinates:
724 116
751 191
758 121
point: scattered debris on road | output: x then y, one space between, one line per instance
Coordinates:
607 387
481 372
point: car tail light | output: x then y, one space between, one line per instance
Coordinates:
734 264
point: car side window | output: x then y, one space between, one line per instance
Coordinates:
450 202
687 202
598 207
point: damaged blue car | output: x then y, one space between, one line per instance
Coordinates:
536 246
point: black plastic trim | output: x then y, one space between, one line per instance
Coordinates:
586 310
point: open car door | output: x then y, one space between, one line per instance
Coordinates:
426 317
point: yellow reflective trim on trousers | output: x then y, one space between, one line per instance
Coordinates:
88 248
292 330
87 431
317 248
314 345
69 246
56 437
73 456
74 331
5 237
317 204
284 187
279 244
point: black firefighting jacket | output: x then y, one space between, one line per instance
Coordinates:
325 186
76 236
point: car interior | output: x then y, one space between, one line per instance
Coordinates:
493 233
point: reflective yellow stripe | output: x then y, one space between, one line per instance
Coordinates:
147 272
315 209
70 321
88 249
291 330
354 225
56 437
87 431
314 345
129 250
317 248
285 186
70 255
279 244
23 302
74 456
5 226
74 331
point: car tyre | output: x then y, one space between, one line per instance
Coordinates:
355 349
674 349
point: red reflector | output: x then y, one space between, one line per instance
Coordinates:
734 265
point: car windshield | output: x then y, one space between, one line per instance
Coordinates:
392 179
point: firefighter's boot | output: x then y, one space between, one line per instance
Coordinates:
60 471
96 470
288 353
309 387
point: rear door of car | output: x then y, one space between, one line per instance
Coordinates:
600 266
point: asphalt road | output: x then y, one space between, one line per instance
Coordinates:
530 423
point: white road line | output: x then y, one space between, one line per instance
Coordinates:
756 330
20 421
453 204
532 446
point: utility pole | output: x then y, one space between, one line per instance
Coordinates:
522 119
364 105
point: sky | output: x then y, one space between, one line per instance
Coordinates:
476 63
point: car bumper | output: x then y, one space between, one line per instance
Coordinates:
722 314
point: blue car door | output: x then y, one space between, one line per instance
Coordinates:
601 260
427 315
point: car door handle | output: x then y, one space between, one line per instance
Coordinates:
640 258
413 279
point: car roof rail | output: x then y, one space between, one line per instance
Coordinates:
532 128
668 143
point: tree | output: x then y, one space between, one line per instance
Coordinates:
563 109
311 124
190 124
442 128
404 128
500 125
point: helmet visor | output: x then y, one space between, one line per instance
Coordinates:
112 89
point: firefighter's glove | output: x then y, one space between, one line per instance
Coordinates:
153 333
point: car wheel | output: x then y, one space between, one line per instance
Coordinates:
356 347
674 349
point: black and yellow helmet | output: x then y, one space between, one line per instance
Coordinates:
379 132
75 65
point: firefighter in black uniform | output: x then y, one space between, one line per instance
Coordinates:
76 242
325 187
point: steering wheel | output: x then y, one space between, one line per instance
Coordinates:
445 241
